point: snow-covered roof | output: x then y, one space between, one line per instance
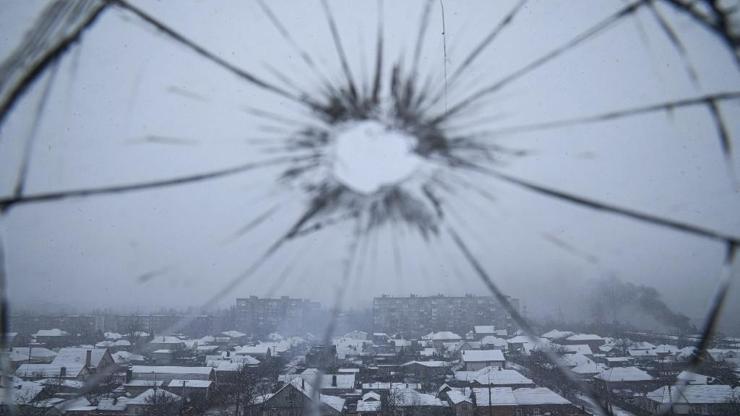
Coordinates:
693 378
336 403
442 336
371 395
112 335
23 392
190 384
361 335
431 364
589 368
259 349
574 360
519 339
72 384
457 397
493 340
165 339
113 404
642 352
36 352
557 334
169 369
493 376
584 337
617 374
404 397
695 394
477 356
368 405
496 396
666 349
537 395
56 332
47 370
77 356
147 397
578 348
328 381
484 329
122 357
145 383
381 385
234 334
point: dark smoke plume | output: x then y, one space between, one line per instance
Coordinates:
610 296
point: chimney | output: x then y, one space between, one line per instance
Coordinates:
129 374
334 380
63 372
88 358
303 384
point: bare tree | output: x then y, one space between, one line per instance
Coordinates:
162 403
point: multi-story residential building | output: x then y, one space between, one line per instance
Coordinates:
260 316
413 316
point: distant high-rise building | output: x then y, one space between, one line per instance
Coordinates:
414 316
260 316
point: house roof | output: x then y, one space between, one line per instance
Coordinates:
695 394
113 404
381 385
578 348
36 352
496 396
693 378
121 357
431 364
165 339
589 368
234 334
190 384
493 376
618 374
519 339
538 395
475 356
48 370
574 360
336 403
24 392
147 397
169 369
557 334
506 396
484 329
493 340
585 337
56 332
410 397
77 356
457 397
442 336
368 405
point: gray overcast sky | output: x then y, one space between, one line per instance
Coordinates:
125 82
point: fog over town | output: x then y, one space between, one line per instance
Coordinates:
428 207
